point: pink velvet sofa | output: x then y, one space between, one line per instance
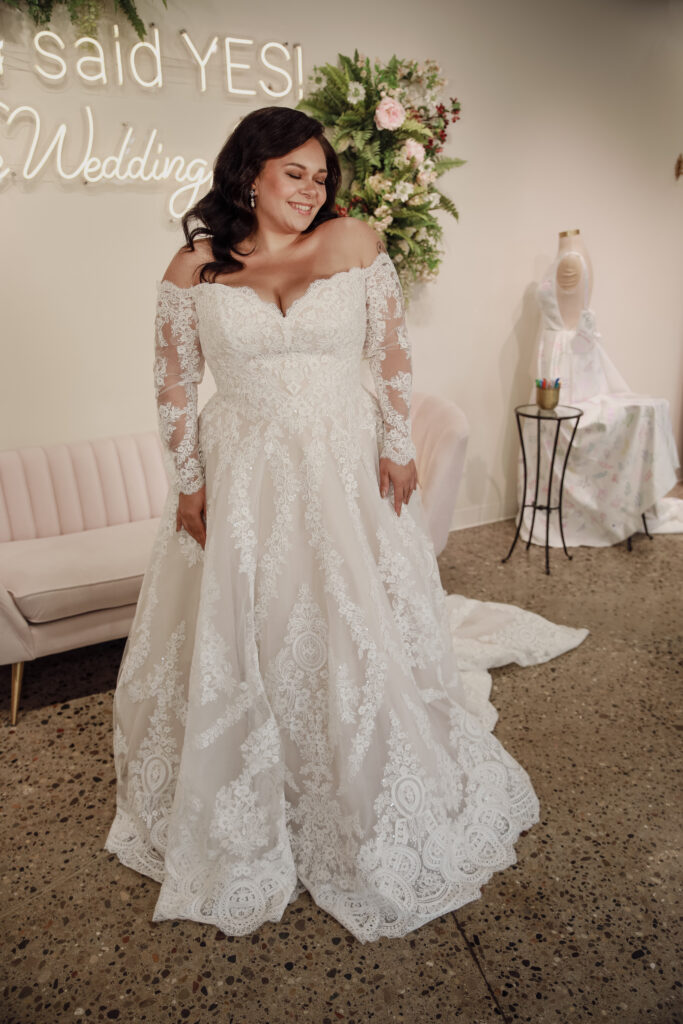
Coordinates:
77 522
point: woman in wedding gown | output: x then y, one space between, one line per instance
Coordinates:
300 704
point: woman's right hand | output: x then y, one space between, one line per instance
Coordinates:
191 515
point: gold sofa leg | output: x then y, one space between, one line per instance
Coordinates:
17 676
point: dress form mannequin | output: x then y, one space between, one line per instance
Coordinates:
624 456
572 277
569 347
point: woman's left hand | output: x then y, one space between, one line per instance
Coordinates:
404 479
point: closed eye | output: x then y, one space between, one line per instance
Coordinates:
298 178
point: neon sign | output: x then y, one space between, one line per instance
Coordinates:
151 165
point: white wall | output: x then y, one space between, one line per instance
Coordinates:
571 117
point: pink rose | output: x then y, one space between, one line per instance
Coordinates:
414 150
389 114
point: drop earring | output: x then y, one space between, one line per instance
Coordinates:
252 198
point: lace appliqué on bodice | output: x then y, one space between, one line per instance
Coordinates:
309 355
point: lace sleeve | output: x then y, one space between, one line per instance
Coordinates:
387 349
178 368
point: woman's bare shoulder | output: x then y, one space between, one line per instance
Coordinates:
359 240
183 270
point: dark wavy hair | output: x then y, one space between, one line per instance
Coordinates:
225 216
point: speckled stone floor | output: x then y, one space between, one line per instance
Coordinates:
584 927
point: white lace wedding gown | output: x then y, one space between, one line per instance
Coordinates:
300 704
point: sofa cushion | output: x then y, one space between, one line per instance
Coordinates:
50 578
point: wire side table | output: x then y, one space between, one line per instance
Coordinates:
556 416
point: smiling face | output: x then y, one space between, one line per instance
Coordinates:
291 189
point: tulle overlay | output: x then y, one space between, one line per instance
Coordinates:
301 704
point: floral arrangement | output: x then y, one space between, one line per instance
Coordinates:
389 128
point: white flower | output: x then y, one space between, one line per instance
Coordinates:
403 245
434 199
389 197
403 190
414 95
426 177
382 211
417 200
398 258
355 92
377 183
414 151
383 224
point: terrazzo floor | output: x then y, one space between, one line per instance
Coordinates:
584 927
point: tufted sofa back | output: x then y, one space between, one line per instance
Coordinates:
85 485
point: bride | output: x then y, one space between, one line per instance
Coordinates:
299 703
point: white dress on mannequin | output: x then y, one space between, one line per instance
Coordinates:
623 459
300 704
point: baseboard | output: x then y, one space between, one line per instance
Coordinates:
480 515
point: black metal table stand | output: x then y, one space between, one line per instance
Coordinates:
556 416
647 532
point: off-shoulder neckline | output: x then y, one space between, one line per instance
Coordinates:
268 302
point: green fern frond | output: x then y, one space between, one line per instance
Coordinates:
448 205
445 163
414 129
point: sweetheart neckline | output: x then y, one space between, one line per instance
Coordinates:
267 302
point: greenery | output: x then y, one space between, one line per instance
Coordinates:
389 128
84 14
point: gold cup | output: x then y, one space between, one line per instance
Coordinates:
547 398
